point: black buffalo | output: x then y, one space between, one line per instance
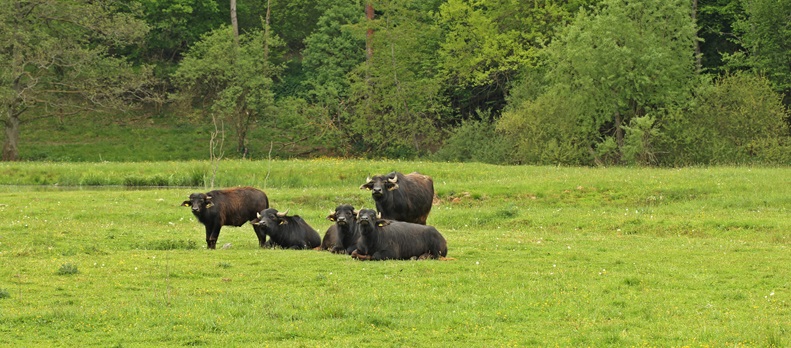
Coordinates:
330 238
382 239
229 207
402 197
341 237
285 231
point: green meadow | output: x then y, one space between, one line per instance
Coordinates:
102 254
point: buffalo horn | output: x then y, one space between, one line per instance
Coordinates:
379 215
393 180
282 214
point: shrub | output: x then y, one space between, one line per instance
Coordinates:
475 141
737 119
639 142
4 293
67 269
169 244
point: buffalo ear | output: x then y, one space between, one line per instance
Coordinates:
393 188
186 204
331 217
369 183
382 222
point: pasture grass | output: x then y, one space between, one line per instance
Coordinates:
542 256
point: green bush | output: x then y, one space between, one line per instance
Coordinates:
475 141
67 269
170 244
639 141
736 120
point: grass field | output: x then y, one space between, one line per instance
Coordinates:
543 256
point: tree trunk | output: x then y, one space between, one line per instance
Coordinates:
234 23
698 55
619 135
369 35
241 145
10 149
266 37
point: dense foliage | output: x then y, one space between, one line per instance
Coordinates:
585 82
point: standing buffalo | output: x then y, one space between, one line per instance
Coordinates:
396 240
341 237
230 207
402 197
286 231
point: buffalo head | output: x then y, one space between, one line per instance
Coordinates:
371 218
198 202
381 183
270 218
343 214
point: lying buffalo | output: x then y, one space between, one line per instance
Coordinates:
330 238
285 231
341 237
230 207
402 197
382 239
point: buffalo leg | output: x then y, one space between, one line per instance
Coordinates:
383 255
212 233
359 256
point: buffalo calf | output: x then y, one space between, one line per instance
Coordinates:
382 239
229 207
285 231
343 235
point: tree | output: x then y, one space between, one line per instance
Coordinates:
57 58
395 100
486 43
715 20
176 25
765 33
234 82
736 118
331 53
627 60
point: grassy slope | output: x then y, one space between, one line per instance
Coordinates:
135 136
544 256
123 137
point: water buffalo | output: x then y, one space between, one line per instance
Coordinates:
229 207
341 238
402 197
382 239
330 238
285 231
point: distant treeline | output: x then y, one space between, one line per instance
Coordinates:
582 82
